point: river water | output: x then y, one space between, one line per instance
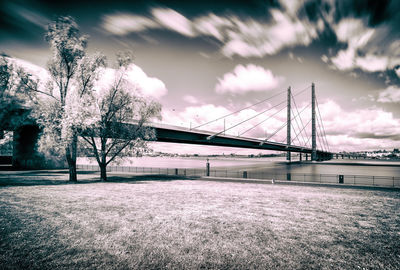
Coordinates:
267 166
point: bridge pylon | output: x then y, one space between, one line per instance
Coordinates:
288 154
313 127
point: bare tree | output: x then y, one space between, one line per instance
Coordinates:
116 121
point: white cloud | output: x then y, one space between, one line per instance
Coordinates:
372 63
353 31
173 21
291 6
344 60
125 23
140 81
247 78
397 70
359 129
389 95
148 86
190 99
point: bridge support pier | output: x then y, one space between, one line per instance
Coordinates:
25 155
300 157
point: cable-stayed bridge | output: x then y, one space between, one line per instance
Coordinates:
305 132
302 142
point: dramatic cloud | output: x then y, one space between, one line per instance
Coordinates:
249 37
288 27
360 53
389 95
246 79
240 36
22 15
173 21
124 23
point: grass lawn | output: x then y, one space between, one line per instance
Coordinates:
194 224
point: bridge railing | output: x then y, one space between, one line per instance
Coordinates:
358 180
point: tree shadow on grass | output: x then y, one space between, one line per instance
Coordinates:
42 178
148 177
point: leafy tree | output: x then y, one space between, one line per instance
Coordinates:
115 118
59 136
14 101
11 97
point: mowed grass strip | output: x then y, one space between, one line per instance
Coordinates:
197 224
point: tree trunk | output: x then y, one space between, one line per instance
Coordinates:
71 167
103 172
71 158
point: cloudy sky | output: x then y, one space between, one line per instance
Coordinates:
206 59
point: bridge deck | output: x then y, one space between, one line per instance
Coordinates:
174 134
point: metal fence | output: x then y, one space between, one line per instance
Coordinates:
361 180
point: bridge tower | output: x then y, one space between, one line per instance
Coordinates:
313 128
288 154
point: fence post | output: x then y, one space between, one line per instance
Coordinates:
176 171
373 180
341 179
208 168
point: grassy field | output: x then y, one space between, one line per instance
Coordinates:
193 224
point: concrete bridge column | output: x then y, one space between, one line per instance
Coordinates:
25 154
313 126
288 137
300 157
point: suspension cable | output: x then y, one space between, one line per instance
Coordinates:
306 126
283 126
269 117
299 128
254 116
322 124
252 105
301 120
296 137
